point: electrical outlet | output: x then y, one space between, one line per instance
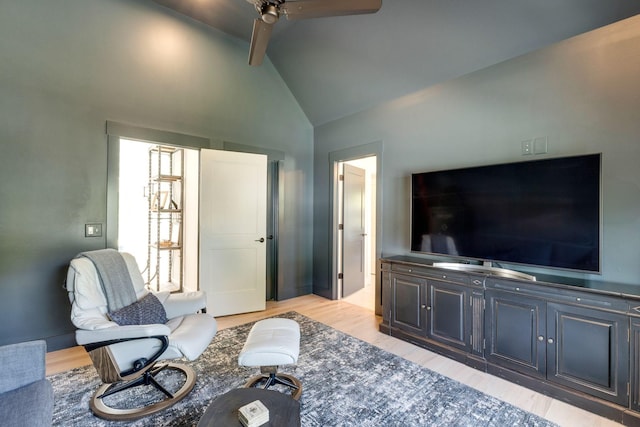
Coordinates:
92 230
527 147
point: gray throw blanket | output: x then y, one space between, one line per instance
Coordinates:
114 277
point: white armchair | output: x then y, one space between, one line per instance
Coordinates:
126 355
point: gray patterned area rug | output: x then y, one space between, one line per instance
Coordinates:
346 382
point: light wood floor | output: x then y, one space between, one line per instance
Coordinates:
363 324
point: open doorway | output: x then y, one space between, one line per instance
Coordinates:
130 200
357 231
158 219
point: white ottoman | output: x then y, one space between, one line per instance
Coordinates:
272 343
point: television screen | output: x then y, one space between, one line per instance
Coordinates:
542 213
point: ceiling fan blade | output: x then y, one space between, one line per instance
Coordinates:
259 41
305 9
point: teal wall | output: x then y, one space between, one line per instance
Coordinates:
583 94
68 66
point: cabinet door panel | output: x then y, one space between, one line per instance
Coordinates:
385 291
635 364
515 332
448 319
408 298
588 351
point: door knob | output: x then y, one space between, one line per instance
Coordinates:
261 240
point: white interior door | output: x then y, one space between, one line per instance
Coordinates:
233 212
353 229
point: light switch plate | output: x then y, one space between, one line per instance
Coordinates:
92 230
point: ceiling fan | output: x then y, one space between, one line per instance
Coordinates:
271 10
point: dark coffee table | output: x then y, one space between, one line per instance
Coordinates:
223 411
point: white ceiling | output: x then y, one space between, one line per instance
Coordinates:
342 65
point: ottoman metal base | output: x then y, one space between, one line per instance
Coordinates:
270 377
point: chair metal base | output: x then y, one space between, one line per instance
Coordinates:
272 378
102 410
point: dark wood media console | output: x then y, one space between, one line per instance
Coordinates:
575 341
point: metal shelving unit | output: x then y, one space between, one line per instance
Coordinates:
166 180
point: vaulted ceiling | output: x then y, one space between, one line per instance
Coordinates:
342 65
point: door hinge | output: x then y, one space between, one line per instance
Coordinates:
340 226
484 343
340 177
340 275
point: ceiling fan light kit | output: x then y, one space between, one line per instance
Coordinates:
270 11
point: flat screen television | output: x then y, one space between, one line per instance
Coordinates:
542 213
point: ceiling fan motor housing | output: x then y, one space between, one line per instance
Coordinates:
270 13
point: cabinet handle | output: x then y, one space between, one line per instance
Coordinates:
428 308
540 338
423 306
550 340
